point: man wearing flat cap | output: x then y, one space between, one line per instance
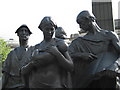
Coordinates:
16 59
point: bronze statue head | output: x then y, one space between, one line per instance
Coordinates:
25 26
23 32
85 20
85 15
60 33
47 26
47 21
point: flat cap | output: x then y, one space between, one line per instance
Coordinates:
23 25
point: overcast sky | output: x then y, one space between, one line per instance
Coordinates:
14 13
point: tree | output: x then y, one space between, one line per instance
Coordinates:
4 50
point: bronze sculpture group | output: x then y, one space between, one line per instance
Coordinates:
89 61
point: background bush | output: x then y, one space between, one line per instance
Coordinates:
4 50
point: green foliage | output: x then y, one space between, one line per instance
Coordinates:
4 50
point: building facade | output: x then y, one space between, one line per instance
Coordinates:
102 9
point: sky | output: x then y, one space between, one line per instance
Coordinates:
14 13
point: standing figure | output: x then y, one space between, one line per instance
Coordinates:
16 59
50 62
94 55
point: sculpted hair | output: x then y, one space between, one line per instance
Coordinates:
85 15
47 21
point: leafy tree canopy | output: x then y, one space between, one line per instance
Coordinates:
4 50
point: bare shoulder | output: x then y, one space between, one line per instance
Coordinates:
62 45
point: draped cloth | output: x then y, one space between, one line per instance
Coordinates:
84 70
12 65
